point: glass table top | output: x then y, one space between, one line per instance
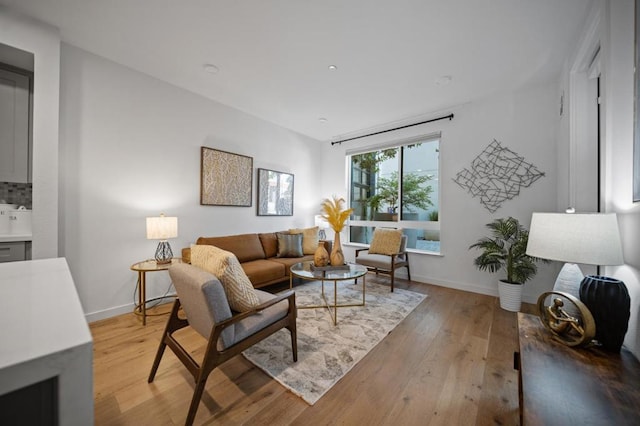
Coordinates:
306 270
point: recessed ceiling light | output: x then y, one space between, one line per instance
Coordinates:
443 80
322 120
332 67
211 69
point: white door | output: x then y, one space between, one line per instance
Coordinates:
14 127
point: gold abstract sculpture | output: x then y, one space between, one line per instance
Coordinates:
333 213
571 330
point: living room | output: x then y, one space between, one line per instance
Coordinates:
113 145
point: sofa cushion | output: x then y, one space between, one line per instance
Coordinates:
269 243
289 245
263 271
225 266
288 262
309 239
246 247
386 241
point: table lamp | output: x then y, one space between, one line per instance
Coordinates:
162 228
322 224
594 239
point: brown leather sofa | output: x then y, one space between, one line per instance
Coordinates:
258 255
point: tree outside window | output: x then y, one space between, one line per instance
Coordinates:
394 185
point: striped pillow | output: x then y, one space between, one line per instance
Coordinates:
225 266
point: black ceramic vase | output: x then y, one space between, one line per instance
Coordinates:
609 303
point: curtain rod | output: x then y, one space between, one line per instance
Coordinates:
450 117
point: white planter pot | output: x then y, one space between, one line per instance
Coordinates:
510 296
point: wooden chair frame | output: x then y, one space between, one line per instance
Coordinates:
213 356
391 271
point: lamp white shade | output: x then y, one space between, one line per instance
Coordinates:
162 227
589 238
320 222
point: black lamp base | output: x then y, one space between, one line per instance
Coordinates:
609 303
163 253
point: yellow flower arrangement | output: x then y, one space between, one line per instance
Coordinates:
333 213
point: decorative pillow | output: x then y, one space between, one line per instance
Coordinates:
225 266
309 239
386 241
289 245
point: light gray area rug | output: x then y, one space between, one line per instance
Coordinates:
327 352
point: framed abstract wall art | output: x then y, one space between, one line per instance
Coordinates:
225 178
275 193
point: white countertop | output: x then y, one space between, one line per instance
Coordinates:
40 311
10 238
44 335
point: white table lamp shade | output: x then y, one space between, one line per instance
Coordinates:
588 238
320 222
162 227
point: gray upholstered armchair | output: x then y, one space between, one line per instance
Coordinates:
202 298
385 263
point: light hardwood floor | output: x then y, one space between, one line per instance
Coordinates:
450 362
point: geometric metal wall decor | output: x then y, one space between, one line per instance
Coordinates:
496 175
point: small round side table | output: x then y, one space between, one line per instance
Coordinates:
142 268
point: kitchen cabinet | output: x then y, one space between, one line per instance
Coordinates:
14 127
13 251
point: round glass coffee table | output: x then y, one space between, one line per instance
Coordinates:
307 271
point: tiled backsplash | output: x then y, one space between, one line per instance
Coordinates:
16 193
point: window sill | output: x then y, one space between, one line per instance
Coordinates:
410 250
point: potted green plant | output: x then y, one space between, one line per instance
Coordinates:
506 249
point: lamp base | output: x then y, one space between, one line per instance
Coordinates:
163 253
609 303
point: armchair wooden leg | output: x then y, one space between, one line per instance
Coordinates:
408 272
195 400
393 275
174 323
294 342
156 362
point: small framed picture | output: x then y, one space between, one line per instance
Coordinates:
275 193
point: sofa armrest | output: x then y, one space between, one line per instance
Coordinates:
186 255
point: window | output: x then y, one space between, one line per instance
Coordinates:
397 186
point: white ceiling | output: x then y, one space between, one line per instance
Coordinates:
273 55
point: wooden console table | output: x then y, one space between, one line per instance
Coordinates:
560 385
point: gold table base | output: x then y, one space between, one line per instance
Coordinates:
333 313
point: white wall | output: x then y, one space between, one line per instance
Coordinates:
130 148
610 26
526 122
619 48
44 42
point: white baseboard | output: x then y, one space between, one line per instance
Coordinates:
108 313
528 298
128 308
118 310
